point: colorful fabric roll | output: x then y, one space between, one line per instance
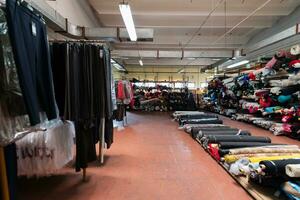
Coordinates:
233 158
293 170
291 190
274 149
274 158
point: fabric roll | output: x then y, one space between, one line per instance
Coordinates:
200 116
277 167
196 130
225 133
233 145
291 190
236 138
188 127
203 121
266 149
214 151
233 158
293 170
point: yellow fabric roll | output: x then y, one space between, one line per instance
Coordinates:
262 156
3 176
258 159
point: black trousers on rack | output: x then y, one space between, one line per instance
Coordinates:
28 37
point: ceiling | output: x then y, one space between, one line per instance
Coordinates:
176 25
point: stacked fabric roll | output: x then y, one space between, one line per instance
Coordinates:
263 162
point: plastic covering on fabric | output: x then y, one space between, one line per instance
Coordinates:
42 153
12 108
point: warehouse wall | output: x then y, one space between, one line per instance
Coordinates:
281 25
165 73
78 12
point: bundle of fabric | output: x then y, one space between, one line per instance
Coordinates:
180 113
224 146
252 107
188 127
262 122
233 138
232 132
201 121
291 189
196 130
199 116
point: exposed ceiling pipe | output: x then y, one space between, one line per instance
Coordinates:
243 20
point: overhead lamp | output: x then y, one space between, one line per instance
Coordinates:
117 65
238 64
181 71
141 62
128 20
215 59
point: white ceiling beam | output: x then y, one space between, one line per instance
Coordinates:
172 53
239 12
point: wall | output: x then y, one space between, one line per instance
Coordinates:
78 12
281 25
165 73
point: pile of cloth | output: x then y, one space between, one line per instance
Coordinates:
264 163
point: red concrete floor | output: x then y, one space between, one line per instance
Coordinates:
150 159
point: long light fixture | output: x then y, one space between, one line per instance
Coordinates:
238 64
128 20
141 62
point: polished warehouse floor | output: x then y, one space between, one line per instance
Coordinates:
150 160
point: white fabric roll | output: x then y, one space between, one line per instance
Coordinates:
293 170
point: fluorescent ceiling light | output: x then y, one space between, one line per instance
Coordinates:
141 62
191 58
117 65
128 20
215 59
181 71
238 64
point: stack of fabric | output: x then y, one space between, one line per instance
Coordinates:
264 163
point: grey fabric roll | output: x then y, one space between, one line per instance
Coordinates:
195 130
233 138
202 134
201 121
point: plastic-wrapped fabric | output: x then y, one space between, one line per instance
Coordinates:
179 113
199 116
201 121
195 130
233 145
291 189
42 153
236 138
188 127
233 158
277 167
225 133
293 170
235 167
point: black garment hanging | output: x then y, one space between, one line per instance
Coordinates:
86 98
28 37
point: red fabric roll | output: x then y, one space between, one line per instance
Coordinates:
214 151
